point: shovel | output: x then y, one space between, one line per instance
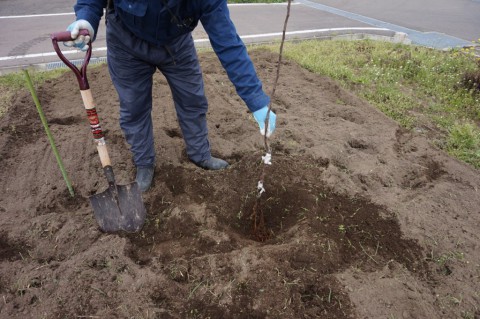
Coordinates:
120 207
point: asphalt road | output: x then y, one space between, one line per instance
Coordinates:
27 24
457 18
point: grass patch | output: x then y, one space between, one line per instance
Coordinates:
12 83
418 87
463 142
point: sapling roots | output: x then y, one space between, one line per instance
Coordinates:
259 230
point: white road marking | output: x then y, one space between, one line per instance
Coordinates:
45 54
38 15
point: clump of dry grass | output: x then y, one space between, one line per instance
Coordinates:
471 81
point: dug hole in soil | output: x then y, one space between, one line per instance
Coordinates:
362 218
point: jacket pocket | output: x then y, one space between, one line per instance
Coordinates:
137 8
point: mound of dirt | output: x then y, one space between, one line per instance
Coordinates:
362 219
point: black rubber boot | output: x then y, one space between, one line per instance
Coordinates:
213 164
145 177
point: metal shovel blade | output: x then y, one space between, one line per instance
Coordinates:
118 208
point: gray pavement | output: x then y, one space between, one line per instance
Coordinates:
436 25
456 18
26 7
26 25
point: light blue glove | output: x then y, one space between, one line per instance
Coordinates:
80 42
260 116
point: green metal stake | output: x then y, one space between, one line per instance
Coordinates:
49 134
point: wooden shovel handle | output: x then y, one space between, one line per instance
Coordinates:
87 97
95 127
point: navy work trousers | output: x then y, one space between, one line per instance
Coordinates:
132 63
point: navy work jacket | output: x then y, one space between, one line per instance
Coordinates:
160 21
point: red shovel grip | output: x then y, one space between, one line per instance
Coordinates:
81 73
66 35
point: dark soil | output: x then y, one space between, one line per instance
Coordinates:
361 219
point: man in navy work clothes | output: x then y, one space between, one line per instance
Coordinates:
146 35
